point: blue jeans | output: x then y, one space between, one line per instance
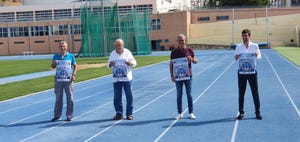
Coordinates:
188 88
118 97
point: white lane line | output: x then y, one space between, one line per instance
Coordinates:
284 88
47 130
18 121
236 124
81 90
107 128
112 125
42 132
173 123
290 62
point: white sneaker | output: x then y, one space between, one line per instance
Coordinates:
179 116
192 116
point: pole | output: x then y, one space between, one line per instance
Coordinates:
232 38
72 31
103 31
267 27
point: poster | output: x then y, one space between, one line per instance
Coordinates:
181 69
247 63
120 69
63 70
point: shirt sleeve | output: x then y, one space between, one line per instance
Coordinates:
131 58
258 52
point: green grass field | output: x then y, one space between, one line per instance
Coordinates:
21 88
291 53
17 89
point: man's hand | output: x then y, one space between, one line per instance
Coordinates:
111 64
54 63
236 57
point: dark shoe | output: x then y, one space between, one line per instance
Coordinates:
54 119
258 117
69 119
129 117
240 117
117 117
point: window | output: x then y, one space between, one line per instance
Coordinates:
222 17
124 9
60 30
155 24
203 19
39 31
62 14
39 41
19 31
7 17
25 16
76 13
3 32
77 28
43 15
144 8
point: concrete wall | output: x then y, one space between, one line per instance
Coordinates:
282 31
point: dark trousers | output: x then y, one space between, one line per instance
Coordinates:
242 81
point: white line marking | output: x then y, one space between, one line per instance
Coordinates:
107 128
42 132
173 123
79 115
236 124
290 62
99 133
285 90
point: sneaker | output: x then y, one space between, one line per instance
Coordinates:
129 117
192 116
258 117
241 116
117 117
54 119
179 116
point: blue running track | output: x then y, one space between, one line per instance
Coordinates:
215 95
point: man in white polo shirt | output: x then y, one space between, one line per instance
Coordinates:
247 53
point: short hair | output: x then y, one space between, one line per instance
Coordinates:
181 36
246 31
63 42
120 40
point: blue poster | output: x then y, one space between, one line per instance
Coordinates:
181 69
120 69
63 70
247 63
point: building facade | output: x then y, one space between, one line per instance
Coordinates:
37 29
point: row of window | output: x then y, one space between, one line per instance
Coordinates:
63 14
6 32
217 18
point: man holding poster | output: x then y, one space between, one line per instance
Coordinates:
121 60
181 73
66 68
246 53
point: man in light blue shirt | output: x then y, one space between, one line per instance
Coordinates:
66 68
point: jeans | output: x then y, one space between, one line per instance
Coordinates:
118 97
188 88
59 88
242 81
